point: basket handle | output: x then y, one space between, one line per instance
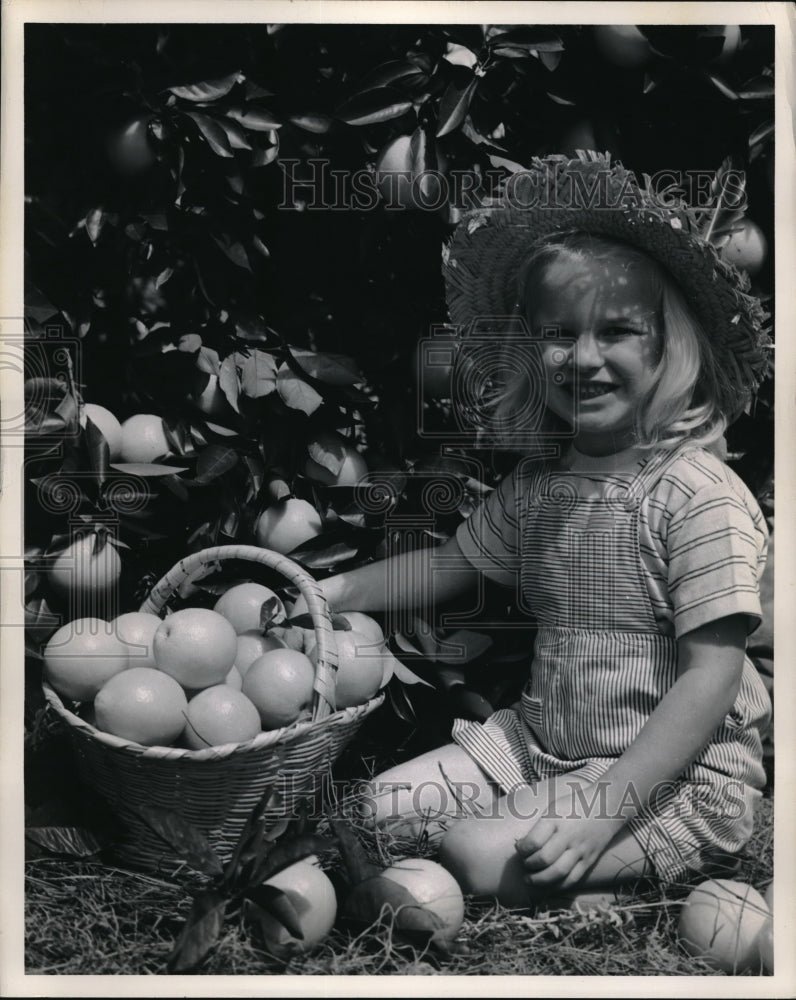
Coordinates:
326 649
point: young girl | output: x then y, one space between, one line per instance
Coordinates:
636 746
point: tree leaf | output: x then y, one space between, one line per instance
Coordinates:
208 360
72 841
148 468
250 837
328 452
179 437
405 675
229 381
235 135
256 119
378 900
201 931
454 105
260 247
423 157
474 644
176 486
325 558
312 122
290 850
339 622
761 133
373 106
207 90
277 904
189 343
214 461
538 39
295 392
722 87
550 60
258 374
262 157
407 73
358 865
67 410
213 132
234 251
271 612
333 369
95 221
758 88
185 839
464 703
99 452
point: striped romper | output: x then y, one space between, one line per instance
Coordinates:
616 558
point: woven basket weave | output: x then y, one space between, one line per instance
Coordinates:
215 789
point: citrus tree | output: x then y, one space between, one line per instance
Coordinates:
235 232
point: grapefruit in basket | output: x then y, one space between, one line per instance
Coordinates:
280 683
142 704
251 646
363 623
195 646
136 630
219 715
81 656
241 605
360 668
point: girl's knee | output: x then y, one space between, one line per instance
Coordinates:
426 793
480 854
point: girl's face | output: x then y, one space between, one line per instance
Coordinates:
609 309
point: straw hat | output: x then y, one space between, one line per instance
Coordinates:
589 194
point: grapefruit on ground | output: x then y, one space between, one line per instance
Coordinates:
721 921
312 894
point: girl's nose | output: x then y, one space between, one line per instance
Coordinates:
587 351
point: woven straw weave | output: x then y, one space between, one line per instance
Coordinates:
216 788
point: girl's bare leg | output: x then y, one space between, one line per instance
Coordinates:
480 852
429 793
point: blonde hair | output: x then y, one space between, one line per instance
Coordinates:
683 400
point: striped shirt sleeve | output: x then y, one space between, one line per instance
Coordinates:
490 537
716 550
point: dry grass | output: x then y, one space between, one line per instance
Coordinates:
87 918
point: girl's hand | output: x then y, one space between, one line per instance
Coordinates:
563 844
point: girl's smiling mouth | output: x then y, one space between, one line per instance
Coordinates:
589 390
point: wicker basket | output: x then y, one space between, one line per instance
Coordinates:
215 789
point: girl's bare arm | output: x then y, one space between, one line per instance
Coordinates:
411 580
